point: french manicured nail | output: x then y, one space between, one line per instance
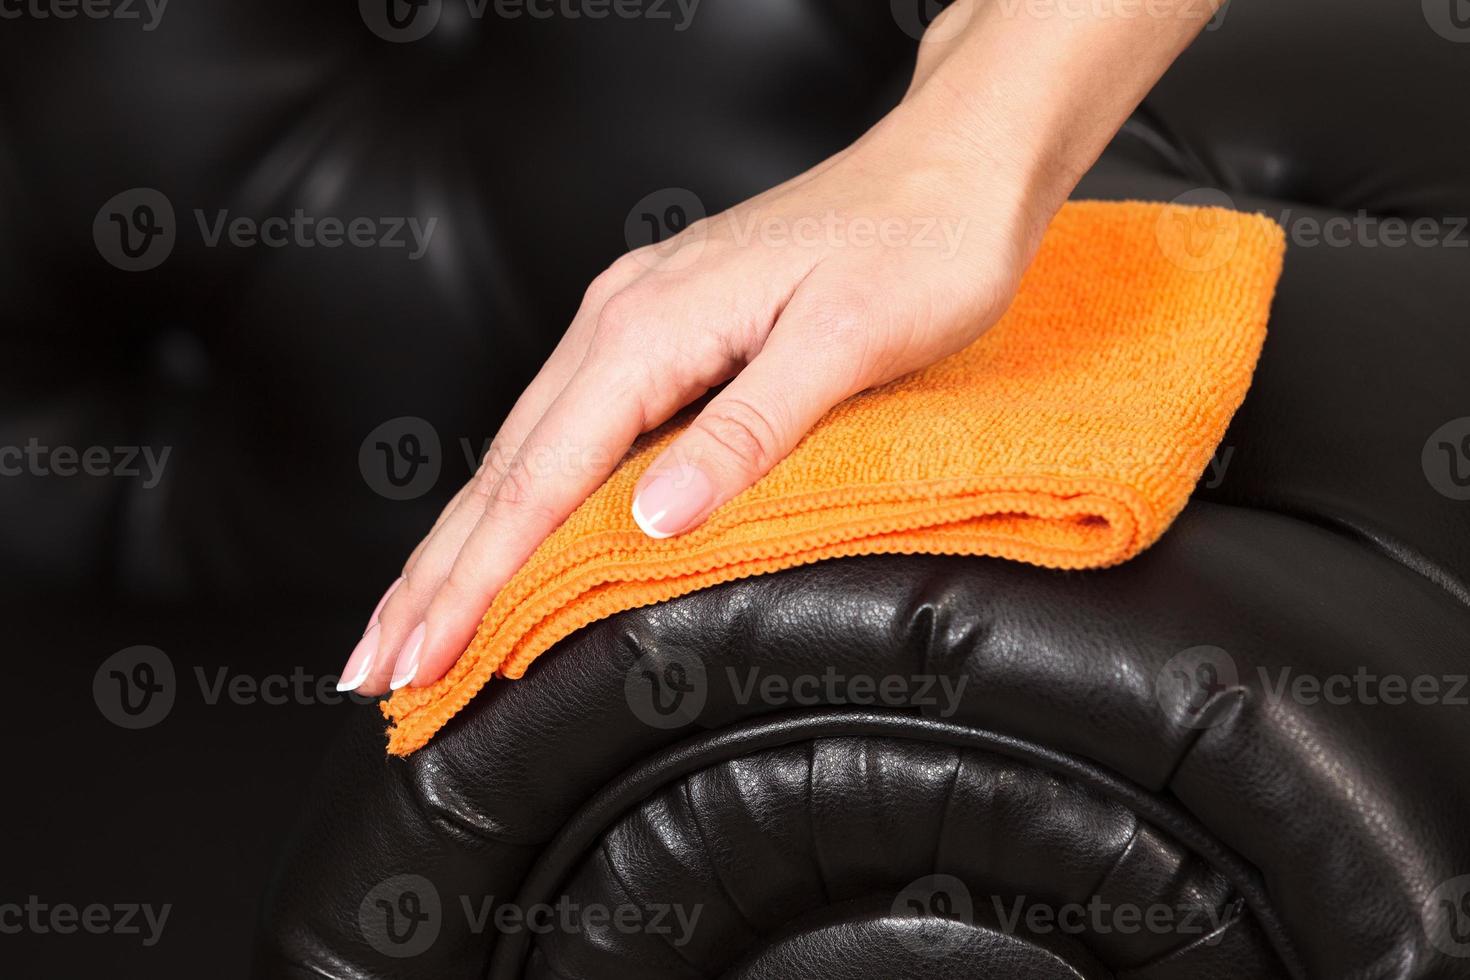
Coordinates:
408 658
671 501
373 619
361 660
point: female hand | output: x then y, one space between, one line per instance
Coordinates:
896 252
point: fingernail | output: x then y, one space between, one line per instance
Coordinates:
361 661
408 658
373 619
672 500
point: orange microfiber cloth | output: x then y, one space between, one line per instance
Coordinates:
1070 435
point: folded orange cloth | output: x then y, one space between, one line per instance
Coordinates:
1070 436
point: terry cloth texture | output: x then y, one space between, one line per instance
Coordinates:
1069 436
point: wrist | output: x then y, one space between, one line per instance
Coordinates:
1037 88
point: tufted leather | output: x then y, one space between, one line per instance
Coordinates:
529 140
1354 808
747 843
1326 548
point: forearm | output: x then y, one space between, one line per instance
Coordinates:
1039 87
1003 117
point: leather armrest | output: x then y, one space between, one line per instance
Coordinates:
794 755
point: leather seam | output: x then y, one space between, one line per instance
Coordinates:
714 866
583 832
954 779
1390 547
632 896
811 817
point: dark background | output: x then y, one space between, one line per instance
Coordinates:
265 371
270 374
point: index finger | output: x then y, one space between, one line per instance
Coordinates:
568 455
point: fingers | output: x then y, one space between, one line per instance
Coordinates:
370 668
570 453
360 663
431 560
820 352
828 344
655 345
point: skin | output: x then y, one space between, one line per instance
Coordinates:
1011 102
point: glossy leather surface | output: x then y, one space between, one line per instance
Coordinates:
1350 807
531 140
1328 546
745 840
1324 547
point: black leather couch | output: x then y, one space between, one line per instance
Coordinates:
1144 740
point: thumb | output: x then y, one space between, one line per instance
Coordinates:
746 429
